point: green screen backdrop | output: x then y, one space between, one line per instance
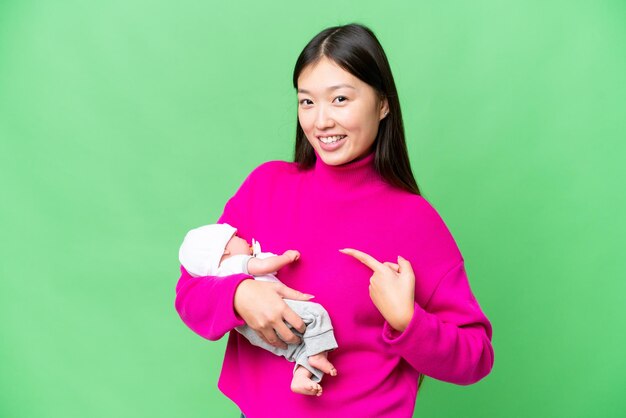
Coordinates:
124 123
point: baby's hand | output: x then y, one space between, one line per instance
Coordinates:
292 255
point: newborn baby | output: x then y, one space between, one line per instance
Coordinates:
216 250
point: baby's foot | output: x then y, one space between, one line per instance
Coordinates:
320 361
302 383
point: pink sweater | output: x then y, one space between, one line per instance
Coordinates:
318 212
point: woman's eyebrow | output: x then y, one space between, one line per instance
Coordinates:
338 86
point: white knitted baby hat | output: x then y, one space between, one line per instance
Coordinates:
203 247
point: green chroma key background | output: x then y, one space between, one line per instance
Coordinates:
125 123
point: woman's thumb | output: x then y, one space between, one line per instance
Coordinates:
405 266
289 293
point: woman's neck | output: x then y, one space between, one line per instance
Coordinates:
356 173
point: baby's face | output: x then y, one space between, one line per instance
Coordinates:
238 245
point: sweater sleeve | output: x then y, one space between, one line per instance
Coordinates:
205 303
450 338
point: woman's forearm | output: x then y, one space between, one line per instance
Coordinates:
205 304
449 339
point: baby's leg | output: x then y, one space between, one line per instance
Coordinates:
302 383
320 361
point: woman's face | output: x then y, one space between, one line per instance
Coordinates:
338 112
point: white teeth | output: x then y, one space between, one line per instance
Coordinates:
332 139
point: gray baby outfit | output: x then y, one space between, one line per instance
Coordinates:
317 337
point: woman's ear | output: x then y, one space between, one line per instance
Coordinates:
384 109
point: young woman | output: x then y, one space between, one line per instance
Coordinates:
373 252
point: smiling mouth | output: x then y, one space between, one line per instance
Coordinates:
332 139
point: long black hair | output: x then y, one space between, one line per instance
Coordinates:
355 48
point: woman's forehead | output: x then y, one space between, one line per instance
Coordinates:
326 75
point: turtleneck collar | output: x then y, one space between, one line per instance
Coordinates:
347 176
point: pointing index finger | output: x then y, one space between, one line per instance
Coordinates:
364 258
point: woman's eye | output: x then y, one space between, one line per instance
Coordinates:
304 101
341 97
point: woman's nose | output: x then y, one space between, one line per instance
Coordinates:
323 118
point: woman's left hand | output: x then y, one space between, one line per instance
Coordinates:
392 288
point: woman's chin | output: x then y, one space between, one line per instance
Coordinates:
334 161
334 158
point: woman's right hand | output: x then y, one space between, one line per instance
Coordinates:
260 304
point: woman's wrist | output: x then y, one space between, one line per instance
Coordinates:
237 297
403 320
